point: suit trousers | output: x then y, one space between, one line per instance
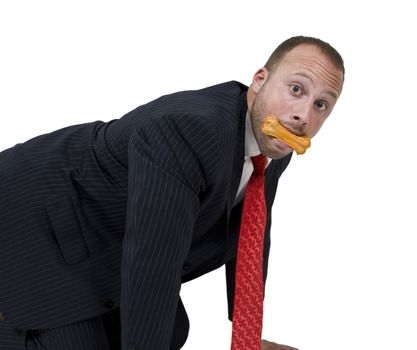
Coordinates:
98 333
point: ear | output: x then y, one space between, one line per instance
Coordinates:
259 79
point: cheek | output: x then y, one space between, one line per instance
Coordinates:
277 106
277 102
315 126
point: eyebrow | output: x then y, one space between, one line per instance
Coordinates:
331 93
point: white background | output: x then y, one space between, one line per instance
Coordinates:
343 259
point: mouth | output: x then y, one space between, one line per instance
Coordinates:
291 130
277 142
272 127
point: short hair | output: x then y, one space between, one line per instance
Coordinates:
289 44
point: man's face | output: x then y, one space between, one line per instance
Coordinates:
301 92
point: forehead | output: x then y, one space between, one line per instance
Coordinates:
310 61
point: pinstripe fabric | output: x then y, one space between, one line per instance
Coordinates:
11 338
85 335
101 215
99 333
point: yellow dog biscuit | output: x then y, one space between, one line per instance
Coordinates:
272 127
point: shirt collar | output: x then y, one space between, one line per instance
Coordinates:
251 146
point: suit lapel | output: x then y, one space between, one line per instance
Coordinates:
239 157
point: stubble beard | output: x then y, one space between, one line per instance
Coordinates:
257 120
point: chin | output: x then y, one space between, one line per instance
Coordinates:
273 154
279 156
274 151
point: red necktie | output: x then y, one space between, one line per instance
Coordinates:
249 286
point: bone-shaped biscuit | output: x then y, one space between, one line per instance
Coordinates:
272 127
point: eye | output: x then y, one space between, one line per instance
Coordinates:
296 89
322 106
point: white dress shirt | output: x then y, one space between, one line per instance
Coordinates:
251 150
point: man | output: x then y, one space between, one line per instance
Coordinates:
102 219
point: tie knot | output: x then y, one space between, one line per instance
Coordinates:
259 164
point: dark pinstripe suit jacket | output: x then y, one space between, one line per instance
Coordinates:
104 214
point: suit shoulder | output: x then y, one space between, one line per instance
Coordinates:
210 102
216 108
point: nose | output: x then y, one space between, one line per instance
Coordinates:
302 115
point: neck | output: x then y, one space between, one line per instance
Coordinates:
250 97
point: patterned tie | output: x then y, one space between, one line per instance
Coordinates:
249 287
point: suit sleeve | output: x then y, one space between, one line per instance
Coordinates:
168 167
